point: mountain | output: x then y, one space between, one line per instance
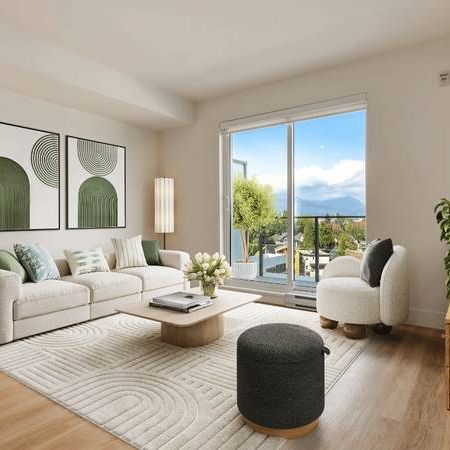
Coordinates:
344 206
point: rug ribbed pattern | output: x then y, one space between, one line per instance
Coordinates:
117 373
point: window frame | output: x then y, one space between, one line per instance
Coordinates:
286 117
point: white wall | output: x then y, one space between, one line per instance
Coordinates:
408 157
141 169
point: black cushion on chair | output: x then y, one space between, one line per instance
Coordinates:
280 375
375 258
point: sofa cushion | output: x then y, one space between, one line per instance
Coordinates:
375 258
86 261
129 252
107 285
49 296
37 261
151 252
156 277
9 262
350 298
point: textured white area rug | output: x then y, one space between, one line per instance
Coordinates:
117 373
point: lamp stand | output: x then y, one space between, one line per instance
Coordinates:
164 241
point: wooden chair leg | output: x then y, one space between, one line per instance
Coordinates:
354 331
381 328
328 323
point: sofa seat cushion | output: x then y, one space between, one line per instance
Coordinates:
49 296
348 299
107 285
156 277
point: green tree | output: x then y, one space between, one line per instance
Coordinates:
346 241
277 226
326 237
253 209
357 228
306 226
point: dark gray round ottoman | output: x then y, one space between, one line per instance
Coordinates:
280 379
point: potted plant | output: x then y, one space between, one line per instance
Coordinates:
253 209
442 211
210 270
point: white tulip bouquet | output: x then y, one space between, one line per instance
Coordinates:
210 270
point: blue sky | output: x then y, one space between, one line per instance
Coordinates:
329 156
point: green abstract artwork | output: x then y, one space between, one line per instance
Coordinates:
97 158
97 204
14 196
96 196
45 160
29 179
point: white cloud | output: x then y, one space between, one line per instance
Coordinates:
278 182
345 178
344 170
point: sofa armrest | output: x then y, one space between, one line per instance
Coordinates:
343 266
174 258
10 290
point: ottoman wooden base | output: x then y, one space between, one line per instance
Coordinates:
286 433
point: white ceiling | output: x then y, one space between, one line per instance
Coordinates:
204 48
147 61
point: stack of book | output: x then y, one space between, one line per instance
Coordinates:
181 301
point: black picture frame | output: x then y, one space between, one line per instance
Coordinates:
68 227
58 135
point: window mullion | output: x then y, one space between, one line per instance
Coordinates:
225 244
290 206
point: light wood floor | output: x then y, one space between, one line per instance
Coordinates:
392 397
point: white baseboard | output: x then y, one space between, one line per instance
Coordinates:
426 318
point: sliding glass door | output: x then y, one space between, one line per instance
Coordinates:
295 197
329 191
259 158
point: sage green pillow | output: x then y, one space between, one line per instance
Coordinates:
37 261
9 262
151 252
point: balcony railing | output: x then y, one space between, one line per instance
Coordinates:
314 246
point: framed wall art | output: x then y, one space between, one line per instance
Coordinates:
95 184
29 179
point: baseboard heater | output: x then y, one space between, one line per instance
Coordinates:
305 301
305 308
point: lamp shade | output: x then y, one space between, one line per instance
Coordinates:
164 215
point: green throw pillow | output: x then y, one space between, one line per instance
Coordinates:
9 262
151 252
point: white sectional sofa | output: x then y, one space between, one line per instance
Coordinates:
31 308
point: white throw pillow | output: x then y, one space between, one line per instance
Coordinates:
129 252
86 261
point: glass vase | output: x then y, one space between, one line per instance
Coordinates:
209 289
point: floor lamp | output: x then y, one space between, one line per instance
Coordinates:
164 209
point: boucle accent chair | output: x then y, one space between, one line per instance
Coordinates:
31 308
343 297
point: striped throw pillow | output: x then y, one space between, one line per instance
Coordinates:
86 261
129 252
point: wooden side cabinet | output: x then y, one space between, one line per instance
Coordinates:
447 359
